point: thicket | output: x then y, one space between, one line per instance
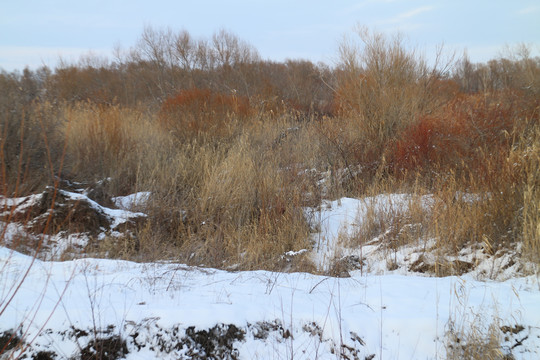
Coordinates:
233 147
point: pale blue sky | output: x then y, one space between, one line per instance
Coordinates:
36 32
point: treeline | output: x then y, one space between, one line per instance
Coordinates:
163 62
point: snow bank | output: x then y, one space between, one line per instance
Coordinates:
303 315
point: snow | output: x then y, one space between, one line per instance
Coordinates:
389 314
119 216
20 203
28 200
344 217
394 315
131 201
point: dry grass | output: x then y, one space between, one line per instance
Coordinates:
218 202
107 142
30 147
392 227
230 173
474 341
492 198
475 333
529 154
237 199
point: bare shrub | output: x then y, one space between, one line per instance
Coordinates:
383 86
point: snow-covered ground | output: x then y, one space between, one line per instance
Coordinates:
341 220
172 311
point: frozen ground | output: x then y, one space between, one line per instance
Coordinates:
172 311
341 220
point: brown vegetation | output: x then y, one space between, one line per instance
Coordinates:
233 147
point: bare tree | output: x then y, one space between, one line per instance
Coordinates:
229 50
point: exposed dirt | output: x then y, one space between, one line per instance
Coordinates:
8 341
66 215
108 348
216 343
342 267
75 212
442 267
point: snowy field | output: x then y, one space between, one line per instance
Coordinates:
172 311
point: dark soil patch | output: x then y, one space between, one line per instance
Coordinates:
57 211
215 343
110 348
262 329
98 191
8 341
512 329
44 355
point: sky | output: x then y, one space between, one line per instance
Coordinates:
40 32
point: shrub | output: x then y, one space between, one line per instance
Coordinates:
469 132
31 147
194 112
384 85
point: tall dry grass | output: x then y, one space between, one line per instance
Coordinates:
107 142
527 155
215 201
31 147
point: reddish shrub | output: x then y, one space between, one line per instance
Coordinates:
416 146
465 133
205 100
350 89
195 111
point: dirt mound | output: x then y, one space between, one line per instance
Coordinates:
69 209
57 211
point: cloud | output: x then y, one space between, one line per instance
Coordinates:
405 21
411 13
528 10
